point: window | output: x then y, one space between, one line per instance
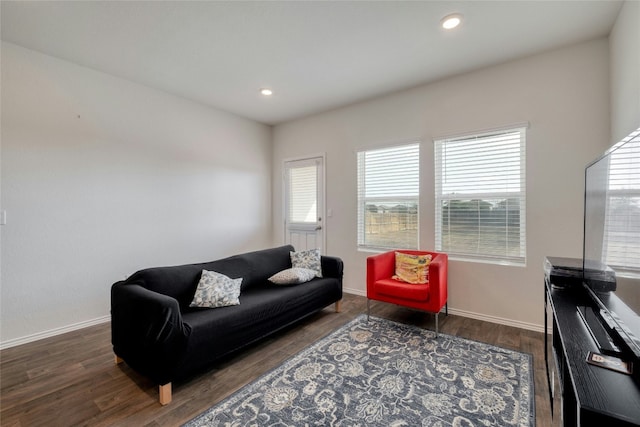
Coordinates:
388 190
302 191
480 196
622 235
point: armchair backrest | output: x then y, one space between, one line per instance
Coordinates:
383 266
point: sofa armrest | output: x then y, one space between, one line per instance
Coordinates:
332 267
380 266
147 330
438 271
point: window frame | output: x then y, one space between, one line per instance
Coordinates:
610 256
362 200
475 194
622 163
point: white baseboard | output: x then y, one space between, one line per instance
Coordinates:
53 332
499 320
472 315
104 319
354 291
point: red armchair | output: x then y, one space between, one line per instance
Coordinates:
430 297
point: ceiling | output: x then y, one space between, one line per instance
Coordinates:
315 55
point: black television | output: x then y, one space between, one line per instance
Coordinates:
611 248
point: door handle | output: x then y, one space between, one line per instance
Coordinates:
319 228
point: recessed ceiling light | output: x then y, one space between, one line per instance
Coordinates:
266 92
451 21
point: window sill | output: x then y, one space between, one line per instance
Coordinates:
500 262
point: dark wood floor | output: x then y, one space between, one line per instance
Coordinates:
71 379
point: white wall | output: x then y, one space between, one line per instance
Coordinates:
102 177
564 96
624 46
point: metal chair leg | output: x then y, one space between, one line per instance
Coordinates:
446 308
368 308
437 325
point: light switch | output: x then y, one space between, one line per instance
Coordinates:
329 212
3 217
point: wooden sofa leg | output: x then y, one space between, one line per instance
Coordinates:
165 394
338 306
118 359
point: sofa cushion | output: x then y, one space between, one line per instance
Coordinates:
181 281
263 310
307 259
292 276
254 267
177 282
216 290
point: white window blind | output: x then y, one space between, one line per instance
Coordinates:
480 196
622 223
302 198
388 192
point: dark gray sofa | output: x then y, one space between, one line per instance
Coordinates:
158 335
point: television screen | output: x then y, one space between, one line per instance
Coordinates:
611 252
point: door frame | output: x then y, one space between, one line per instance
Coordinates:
322 211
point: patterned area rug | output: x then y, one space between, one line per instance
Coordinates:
382 373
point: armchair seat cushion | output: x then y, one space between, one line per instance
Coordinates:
398 289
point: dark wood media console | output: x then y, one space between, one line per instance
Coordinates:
590 395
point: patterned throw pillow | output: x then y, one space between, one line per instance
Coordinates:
307 259
292 276
412 268
216 290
